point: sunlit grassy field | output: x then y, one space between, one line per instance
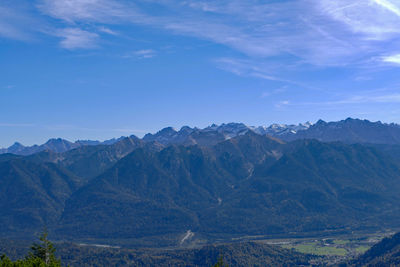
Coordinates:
316 249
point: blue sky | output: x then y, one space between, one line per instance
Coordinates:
97 69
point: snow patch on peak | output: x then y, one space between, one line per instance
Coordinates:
281 129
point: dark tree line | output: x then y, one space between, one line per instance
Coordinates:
41 255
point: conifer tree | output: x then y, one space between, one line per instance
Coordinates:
41 255
220 263
45 251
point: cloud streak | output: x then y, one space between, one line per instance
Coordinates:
389 98
75 38
75 11
321 33
392 59
357 99
252 68
145 53
389 6
13 23
17 125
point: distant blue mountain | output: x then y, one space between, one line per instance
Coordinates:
55 145
349 131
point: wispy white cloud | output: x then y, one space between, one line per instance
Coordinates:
107 30
257 30
14 24
145 53
274 92
253 68
362 78
92 15
391 98
8 31
388 98
391 6
374 19
74 38
141 54
282 104
203 6
392 59
246 68
322 33
17 125
309 31
74 11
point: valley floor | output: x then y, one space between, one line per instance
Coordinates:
335 249
316 251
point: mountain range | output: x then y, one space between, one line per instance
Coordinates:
348 131
55 145
177 188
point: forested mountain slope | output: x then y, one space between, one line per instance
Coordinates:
151 194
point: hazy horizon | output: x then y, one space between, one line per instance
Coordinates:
177 128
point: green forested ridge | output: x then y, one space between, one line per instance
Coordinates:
238 254
384 253
152 195
303 186
90 161
32 195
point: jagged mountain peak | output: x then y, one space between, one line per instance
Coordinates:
350 130
132 137
307 124
58 145
168 130
187 128
58 141
320 122
16 145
